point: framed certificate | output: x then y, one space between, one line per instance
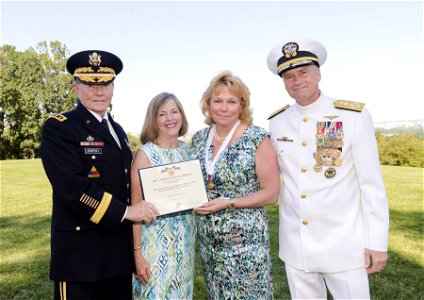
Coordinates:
174 187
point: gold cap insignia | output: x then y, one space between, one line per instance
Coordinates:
94 59
290 49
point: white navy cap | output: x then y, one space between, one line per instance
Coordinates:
291 54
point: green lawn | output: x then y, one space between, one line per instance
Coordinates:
25 224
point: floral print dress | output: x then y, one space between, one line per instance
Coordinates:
168 244
234 244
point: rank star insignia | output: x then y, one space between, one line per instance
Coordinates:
331 117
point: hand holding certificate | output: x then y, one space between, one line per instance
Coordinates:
174 187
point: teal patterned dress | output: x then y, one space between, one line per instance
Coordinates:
234 244
169 243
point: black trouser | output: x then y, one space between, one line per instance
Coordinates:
114 289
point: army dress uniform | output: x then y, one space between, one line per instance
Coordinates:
332 202
90 177
88 165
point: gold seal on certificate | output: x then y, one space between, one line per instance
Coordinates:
174 187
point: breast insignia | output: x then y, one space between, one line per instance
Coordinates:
278 111
59 117
349 105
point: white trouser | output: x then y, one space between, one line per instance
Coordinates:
352 284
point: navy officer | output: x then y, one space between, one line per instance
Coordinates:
87 159
333 207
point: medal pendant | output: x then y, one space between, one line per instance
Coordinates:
211 185
330 172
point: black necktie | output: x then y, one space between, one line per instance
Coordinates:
104 123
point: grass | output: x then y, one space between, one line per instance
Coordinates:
25 229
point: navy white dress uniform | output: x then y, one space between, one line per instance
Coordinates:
89 171
332 203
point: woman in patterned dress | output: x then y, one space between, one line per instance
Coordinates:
241 173
163 250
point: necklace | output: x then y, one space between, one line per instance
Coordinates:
218 138
210 164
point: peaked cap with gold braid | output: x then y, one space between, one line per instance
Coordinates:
94 67
295 53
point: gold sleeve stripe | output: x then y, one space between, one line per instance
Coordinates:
101 210
84 198
93 203
62 290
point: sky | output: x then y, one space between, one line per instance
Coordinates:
375 50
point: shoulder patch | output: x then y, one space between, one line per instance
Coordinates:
349 105
59 117
278 111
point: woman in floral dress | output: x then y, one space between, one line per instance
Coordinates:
163 250
241 174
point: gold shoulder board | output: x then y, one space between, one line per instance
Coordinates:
278 111
349 105
59 117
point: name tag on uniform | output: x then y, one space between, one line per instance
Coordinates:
285 139
93 150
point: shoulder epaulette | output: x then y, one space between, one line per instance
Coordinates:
278 111
59 117
349 105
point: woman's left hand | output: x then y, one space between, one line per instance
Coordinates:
213 206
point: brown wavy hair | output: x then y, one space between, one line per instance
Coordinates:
150 130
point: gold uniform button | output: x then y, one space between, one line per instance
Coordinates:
93 157
128 185
126 171
303 170
303 196
305 222
304 143
305 119
77 228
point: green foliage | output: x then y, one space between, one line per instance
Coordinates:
25 229
401 150
34 84
134 142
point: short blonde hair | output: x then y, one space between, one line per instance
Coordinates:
236 86
150 130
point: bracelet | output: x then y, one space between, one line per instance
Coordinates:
136 248
232 204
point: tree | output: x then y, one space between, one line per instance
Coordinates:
33 85
401 150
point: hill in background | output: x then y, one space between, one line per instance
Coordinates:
389 128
